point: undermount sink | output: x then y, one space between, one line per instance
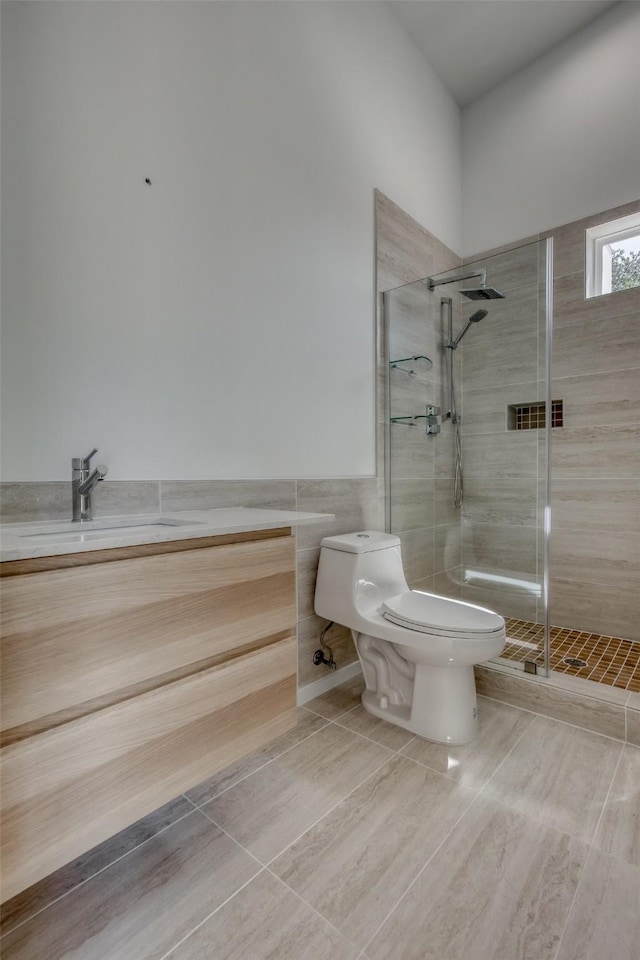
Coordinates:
74 532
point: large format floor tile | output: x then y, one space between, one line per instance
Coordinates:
270 809
605 918
357 862
499 888
338 701
558 774
142 905
308 723
414 850
264 921
56 885
618 832
501 726
388 734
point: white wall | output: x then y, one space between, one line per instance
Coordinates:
558 141
220 322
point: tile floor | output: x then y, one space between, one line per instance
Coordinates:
349 839
610 660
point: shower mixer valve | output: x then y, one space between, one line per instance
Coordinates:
433 427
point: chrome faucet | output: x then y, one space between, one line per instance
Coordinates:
82 484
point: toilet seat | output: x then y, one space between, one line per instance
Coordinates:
442 616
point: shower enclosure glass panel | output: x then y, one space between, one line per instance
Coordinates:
485 538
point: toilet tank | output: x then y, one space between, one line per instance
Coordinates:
357 572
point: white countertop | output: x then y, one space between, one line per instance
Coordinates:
23 541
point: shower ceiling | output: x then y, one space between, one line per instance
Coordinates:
475 44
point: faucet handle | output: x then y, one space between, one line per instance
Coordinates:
89 455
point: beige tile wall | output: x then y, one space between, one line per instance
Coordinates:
595 558
500 361
595 489
422 513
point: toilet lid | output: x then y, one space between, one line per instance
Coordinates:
430 613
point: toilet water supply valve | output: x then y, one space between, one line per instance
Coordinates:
319 657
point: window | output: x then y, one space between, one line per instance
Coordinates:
613 256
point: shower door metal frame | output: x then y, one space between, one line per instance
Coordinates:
547 479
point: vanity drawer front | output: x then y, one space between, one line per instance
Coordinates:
79 639
72 787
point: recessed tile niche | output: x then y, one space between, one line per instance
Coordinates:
532 416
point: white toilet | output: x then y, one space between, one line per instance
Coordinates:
417 650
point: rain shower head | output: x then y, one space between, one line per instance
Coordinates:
482 293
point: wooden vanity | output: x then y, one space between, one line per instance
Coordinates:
130 675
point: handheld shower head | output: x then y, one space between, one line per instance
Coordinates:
474 318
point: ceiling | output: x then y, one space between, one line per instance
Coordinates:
473 45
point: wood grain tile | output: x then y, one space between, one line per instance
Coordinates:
600 506
507 455
504 347
404 247
338 701
269 810
605 918
607 608
500 501
618 832
499 888
212 494
633 726
566 703
264 921
484 410
571 306
447 547
506 547
40 895
593 347
607 557
354 503
144 904
356 863
25 502
389 735
558 774
472 765
600 399
412 505
417 552
308 724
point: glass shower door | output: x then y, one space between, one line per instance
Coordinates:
490 545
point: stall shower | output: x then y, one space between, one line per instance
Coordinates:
480 387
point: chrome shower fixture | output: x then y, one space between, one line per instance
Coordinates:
476 317
483 292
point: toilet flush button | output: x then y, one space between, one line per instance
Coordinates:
363 536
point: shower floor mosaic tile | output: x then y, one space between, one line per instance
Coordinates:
610 660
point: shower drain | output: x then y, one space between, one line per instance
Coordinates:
575 662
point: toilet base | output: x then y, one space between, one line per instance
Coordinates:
443 707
